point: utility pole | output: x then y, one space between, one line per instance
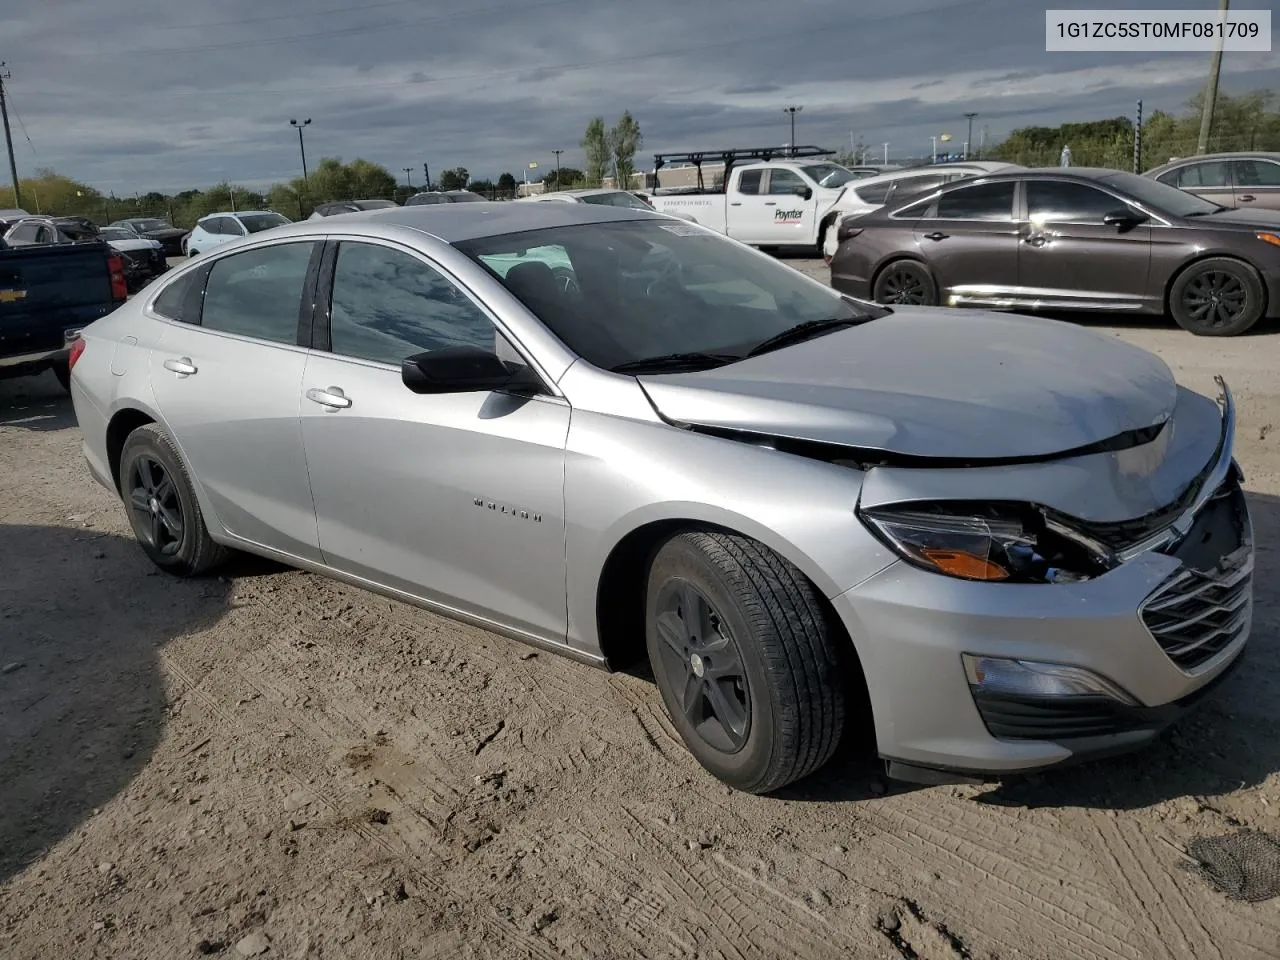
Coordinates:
1137 141
302 147
793 111
426 176
969 139
408 176
8 138
1211 89
557 153
886 154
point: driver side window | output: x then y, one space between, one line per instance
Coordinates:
784 182
388 305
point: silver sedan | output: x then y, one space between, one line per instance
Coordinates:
618 435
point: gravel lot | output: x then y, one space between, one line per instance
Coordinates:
269 763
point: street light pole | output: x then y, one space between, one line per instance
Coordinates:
969 139
301 146
559 186
408 176
793 111
886 154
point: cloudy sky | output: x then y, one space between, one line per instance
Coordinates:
171 94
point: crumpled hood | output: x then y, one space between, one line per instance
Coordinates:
934 383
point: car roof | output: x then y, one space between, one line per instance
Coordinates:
889 176
1201 158
235 213
458 222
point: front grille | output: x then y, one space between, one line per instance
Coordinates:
1197 614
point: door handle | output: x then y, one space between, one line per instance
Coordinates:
331 398
1035 241
735 203
1247 197
771 203
936 235
183 366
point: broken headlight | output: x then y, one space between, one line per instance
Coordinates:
1009 542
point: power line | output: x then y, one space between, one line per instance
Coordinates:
347 31
563 67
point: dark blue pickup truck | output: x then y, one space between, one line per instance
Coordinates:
47 294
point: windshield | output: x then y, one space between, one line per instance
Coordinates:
115 233
620 292
828 175
464 196
373 204
150 225
1162 197
618 198
257 222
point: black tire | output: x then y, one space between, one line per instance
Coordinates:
906 282
62 371
779 680
1219 297
162 506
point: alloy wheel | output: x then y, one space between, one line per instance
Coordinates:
153 497
903 286
1215 298
702 664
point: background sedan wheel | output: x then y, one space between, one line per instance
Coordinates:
745 658
1217 298
906 282
163 510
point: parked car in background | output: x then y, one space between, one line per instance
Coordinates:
215 229
604 196
1230 179
9 217
144 259
1069 239
349 206
788 202
874 192
443 196
48 293
1029 540
153 228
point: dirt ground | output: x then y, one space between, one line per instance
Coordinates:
269 763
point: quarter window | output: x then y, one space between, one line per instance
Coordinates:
170 302
1060 201
1210 174
258 293
388 305
985 201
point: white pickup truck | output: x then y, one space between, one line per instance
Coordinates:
788 202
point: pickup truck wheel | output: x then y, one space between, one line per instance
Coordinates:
1219 297
907 282
745 659
63 372
163 510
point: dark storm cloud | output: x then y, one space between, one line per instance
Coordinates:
198 93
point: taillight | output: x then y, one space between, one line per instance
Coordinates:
848 233
119 286
77 348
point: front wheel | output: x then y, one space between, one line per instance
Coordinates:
163 510
746 659
906 282
1219 297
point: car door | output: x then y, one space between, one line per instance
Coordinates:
970 241
1256 183
1068 254
789 216
1210 179
745 208
227 377
454 498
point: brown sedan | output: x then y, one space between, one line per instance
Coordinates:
1068 239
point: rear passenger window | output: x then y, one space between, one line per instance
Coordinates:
169 303
749 182
258 293
986 201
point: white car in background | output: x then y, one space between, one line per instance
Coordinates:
604 196
874 192
215 229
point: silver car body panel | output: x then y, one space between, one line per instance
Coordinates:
503 511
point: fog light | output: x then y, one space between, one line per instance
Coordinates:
1029 678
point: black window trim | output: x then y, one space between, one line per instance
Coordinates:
321 332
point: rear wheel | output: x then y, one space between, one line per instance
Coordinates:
745 658
906 282
1219 297
163 510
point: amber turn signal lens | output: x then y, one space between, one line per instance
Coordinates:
1271 238
958 563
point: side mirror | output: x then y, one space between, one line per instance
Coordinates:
465 370
1124 218
805 192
